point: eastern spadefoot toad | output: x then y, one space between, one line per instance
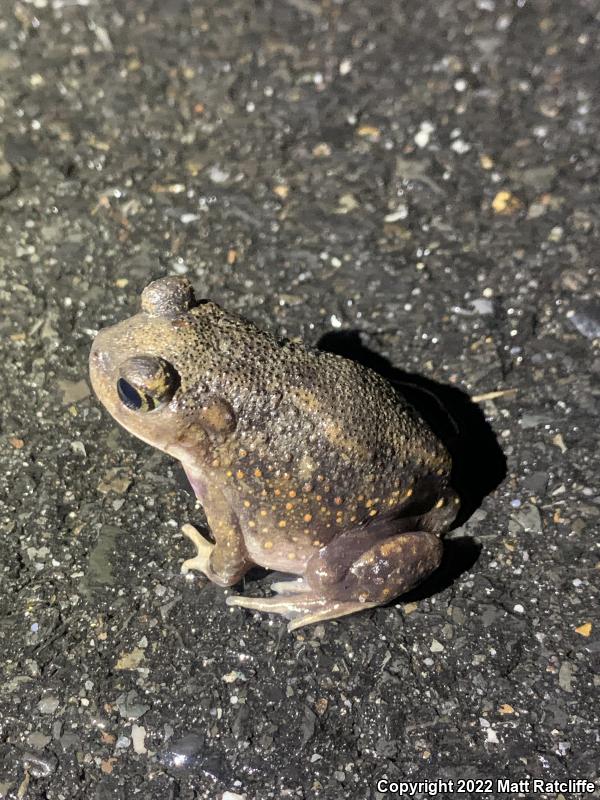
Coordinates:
304 461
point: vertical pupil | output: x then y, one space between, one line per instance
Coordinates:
128 395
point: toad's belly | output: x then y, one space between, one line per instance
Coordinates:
282 552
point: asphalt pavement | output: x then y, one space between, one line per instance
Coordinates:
412 184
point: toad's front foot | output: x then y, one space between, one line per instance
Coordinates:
204 549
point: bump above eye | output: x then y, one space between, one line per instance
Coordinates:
168 297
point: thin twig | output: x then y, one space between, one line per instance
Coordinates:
479 398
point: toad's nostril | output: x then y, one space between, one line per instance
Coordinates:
96 359
99 360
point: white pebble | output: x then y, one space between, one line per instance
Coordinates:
138 736
460 146
218 175
424 133
401 212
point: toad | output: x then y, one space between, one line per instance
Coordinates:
305 462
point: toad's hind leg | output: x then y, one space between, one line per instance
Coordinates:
359 569
301 608
372 568
297 603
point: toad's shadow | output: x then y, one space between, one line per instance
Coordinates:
478 463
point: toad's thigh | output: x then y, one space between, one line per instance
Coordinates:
382 571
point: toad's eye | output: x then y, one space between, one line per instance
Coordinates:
146 382
129 395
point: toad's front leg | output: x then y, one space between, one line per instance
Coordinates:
225 561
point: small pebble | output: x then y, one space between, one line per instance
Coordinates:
424 134
491 736
123 743
48 705
565 676
585 629
38 765
460 146
506 203
218 175
38 740
138 737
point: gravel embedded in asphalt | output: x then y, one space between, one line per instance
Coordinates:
414 185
